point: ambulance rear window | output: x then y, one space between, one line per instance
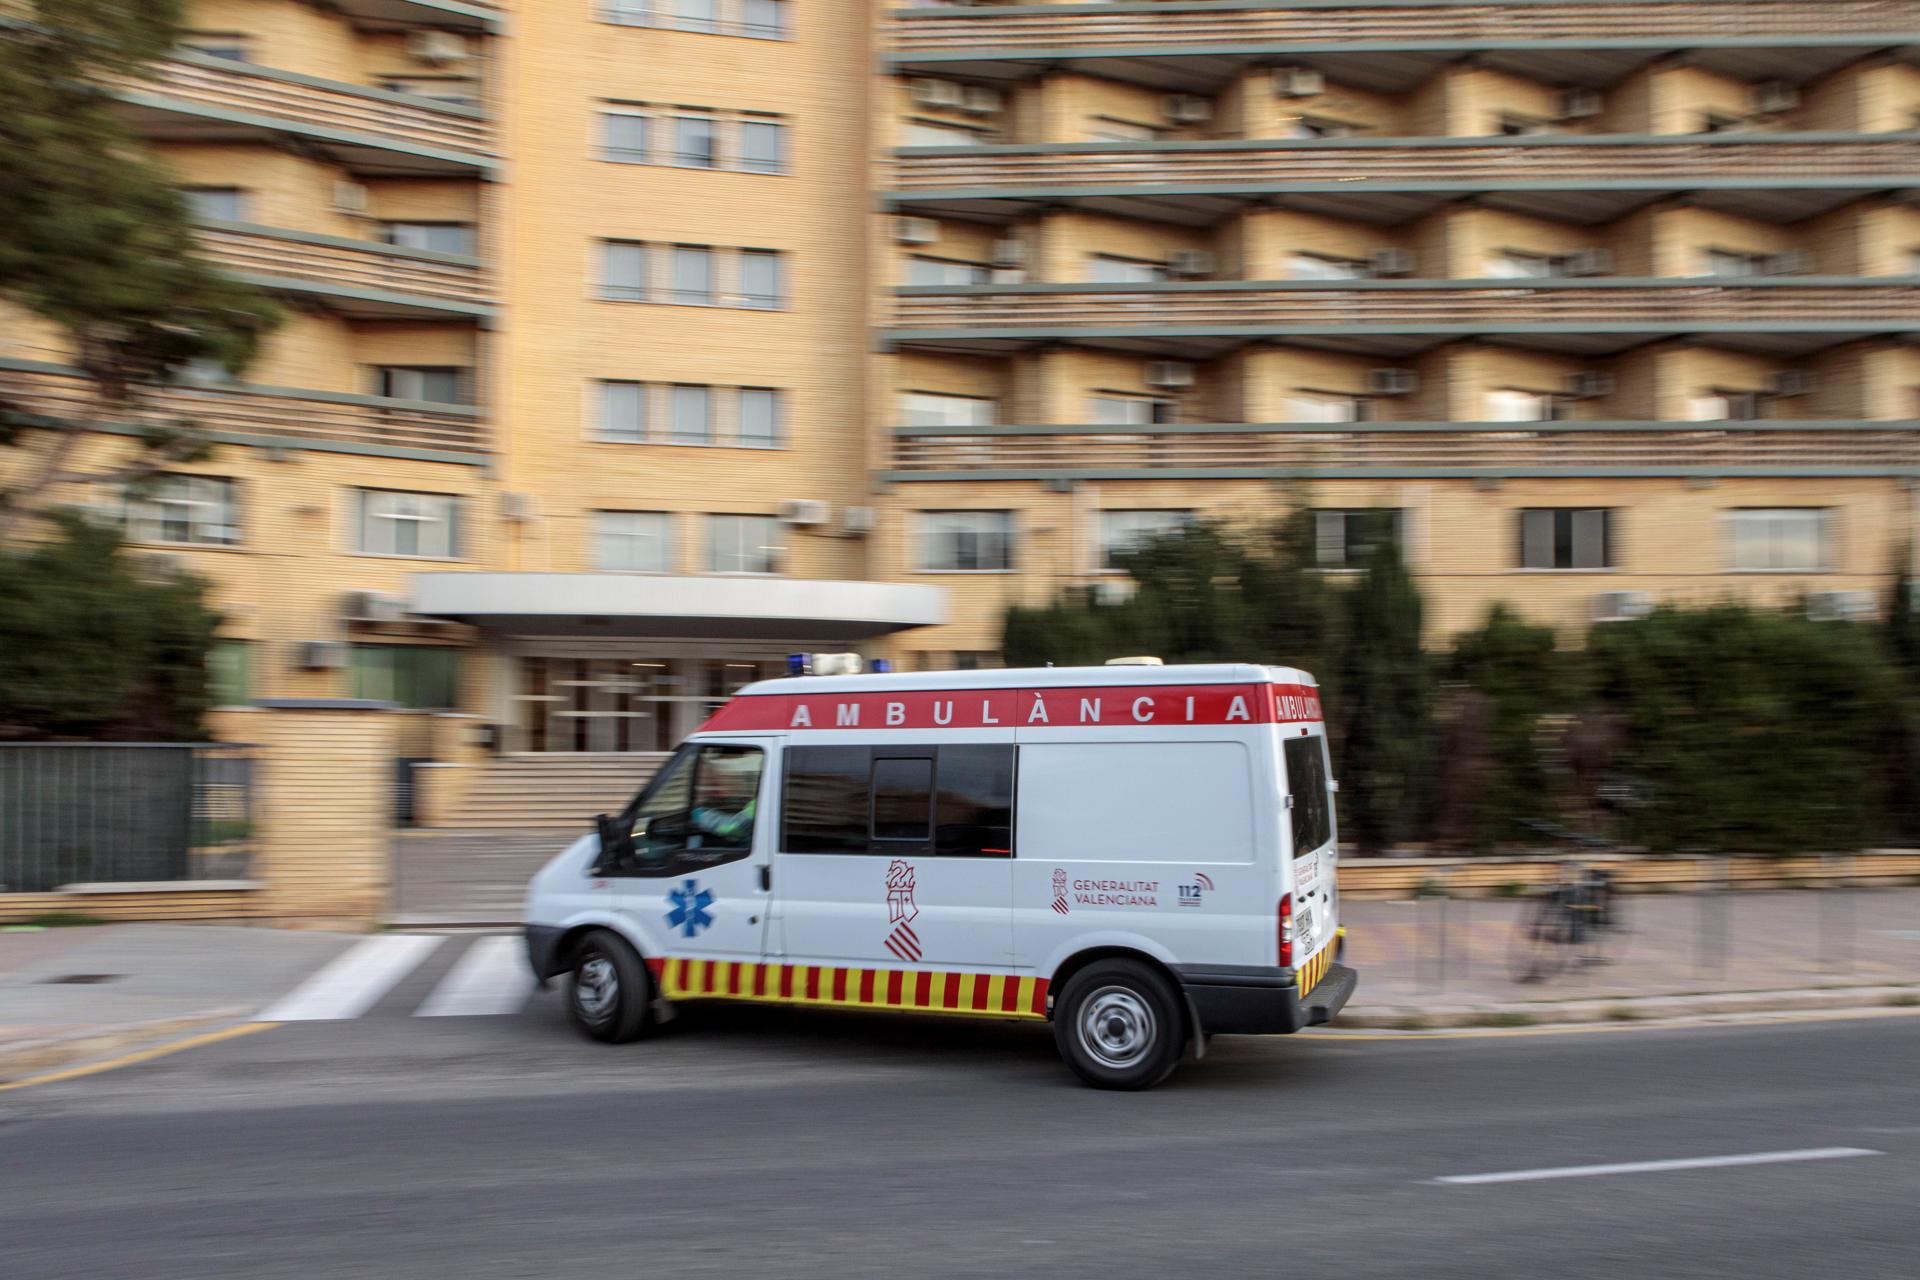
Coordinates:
1307 782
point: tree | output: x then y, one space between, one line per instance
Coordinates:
1381 704
95 242
1504 678
93 647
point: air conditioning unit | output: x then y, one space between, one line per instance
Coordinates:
1840 606
1111 591
804 512
519 508
1391 262
1190 262
1589 262
1622 606
1585 386
916 230
979 100
928 92
1392 382
320 655
1793 262
349 197
1185 108
1791 382
1009 253
1580 104
1169 374
1773 96
1298 82
438 47
372 606
858 522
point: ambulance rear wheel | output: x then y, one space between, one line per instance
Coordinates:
609 995
1119 1025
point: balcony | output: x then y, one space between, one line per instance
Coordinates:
1785 176
1407 449
359 278
325 421
190 97
483 16
1785 315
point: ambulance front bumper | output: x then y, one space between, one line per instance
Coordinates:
1246 1001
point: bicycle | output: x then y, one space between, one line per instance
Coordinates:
1571 919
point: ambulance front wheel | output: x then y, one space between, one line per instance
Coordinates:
1119 1025
608 991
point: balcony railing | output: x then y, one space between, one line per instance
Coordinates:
1754 159
1410 449
334 262
1234 306
1322 22
244 414
304 102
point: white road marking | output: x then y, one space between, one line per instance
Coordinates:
1660 1166
492 978
354 982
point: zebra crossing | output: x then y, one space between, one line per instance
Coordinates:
487 977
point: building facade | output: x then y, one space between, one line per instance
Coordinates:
635 343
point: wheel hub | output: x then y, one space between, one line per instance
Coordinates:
1117 1028
597 988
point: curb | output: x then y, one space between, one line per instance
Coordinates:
1627 1008
32 1058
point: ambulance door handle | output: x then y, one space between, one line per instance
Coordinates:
766 878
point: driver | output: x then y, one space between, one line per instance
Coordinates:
726 804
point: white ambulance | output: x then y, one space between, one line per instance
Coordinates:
1142 854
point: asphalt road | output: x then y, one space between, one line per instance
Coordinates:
771 1143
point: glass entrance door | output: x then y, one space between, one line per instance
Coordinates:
617 704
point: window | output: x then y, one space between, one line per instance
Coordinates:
622 411
1720 122
760 415
760 279
623 137
633 541
966 541
457 90
435 237
1780 538
1327 407
937 271
696 142
392 523
1313 266
692 275
408 675
1346 538
1106 269
699 811
1135 802
1319 127
743 544
221 204
627 13
1125 531
936 133
692 421
1128 411
229 673
1727 262
1108 129
1511 404
764 19
1513 264
1729 406
196 511
949 801
433 383
1566 538
225 45
695 15
931 409
1515 126
1311 812
623 271
763 146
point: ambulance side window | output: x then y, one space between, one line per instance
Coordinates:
949 801
825 805
973 809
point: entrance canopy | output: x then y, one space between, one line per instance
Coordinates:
745 608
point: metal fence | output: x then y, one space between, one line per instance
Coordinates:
91 812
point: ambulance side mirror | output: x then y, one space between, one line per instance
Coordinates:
616 842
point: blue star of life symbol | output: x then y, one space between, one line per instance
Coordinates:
689 903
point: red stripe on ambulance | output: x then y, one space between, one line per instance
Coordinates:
917 710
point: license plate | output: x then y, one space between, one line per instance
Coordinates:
1303 927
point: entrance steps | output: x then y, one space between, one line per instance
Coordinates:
555 789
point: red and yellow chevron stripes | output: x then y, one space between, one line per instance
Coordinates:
991 995
1315 968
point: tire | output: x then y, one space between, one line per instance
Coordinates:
1120 1025
609 993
